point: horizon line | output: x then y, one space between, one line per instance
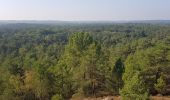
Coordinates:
81 20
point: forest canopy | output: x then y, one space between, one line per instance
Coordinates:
63 61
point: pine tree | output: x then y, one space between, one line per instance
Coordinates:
134 88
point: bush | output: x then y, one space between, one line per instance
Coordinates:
160 86
57 97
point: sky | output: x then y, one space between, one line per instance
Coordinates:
85 10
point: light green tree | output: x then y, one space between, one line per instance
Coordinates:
134 88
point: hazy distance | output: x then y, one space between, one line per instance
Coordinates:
84 10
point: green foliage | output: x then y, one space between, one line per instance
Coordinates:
161 85
118 72
80 41
135 88
62 61
57 97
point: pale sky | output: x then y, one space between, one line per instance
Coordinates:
78 10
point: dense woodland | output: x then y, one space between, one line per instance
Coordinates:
63 61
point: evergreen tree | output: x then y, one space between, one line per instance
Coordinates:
135 88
